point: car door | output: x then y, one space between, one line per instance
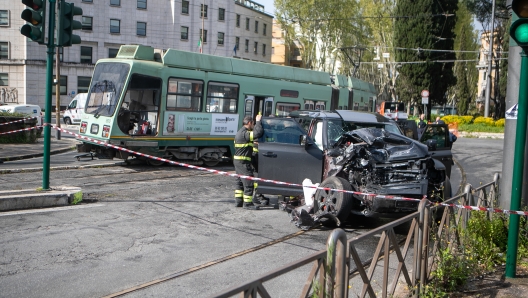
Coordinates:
440 133
283 158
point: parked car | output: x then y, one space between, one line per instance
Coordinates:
75 109
26 109
349 150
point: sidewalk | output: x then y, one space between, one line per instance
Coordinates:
9 152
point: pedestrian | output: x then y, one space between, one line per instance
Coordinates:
439 121
422 124
242 160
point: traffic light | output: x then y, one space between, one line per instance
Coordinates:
519 28
35 15
65 36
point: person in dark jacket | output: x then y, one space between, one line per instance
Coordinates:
242 161
422 124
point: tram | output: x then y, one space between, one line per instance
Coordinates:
188 106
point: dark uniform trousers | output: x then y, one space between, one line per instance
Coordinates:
244 187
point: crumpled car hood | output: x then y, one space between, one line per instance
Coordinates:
397 147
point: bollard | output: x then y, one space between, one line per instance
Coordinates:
336 284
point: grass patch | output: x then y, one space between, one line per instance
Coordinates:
480 127
77 198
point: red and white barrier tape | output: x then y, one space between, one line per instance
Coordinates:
523 213
19 130
5 123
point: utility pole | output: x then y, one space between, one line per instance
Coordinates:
490 61
57 93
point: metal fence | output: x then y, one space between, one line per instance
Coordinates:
404 264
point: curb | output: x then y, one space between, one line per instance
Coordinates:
33 155
30 198
31 170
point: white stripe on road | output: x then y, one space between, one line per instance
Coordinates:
20 212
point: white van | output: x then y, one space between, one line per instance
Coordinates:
75 110
27 109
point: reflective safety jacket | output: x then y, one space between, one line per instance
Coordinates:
244 142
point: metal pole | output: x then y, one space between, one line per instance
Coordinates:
47 106
337 274
57 93
490 56
517 181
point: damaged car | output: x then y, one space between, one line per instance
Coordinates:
363 155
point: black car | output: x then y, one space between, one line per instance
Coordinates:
358 151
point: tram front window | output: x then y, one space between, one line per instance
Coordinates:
107 84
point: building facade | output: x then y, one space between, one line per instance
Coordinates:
482 67
231 28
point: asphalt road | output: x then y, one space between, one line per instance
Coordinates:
138 224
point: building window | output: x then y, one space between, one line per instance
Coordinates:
87 23
112 53
4 17
115 26
63 85
255 48
238 20
83 83
4 50
184 33
203 11
256 26
221 14
142 4
4 79
273 50
141 29
247 46
115 2
237 43
247 23
264 28
185 7
204 35
263 50
220 38
86 54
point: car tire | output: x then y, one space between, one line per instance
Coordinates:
67 121
339 203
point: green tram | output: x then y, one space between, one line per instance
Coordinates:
188 106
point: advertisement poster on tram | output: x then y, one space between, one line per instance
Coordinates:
199 123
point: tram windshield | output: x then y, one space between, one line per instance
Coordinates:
107 84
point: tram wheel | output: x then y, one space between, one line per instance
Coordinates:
155 162
211 163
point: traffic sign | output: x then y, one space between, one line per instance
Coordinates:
425 100
425 93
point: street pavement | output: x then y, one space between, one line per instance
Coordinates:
494 283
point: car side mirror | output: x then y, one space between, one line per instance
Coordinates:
431 144
303 141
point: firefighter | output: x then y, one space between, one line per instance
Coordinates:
242 161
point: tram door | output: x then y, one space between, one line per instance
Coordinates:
255 105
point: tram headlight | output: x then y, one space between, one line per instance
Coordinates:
84 126
106 131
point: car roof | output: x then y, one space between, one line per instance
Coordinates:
346 115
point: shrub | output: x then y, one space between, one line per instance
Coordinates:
500 122
457 119
484 120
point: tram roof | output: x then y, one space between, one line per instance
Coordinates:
204 62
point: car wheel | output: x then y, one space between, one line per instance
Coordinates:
337 203
67 121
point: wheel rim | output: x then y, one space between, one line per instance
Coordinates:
326 200
68 121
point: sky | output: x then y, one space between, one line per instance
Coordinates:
268 5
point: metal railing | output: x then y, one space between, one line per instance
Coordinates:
406 263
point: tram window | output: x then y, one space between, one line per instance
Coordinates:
320 106
138 114
221 97
356 106
283 109
268 108
340 107
184 95
308 106
249 106
345 108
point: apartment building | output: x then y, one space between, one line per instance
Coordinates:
482 67
231 28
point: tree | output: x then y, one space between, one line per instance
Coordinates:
423 30
465 90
